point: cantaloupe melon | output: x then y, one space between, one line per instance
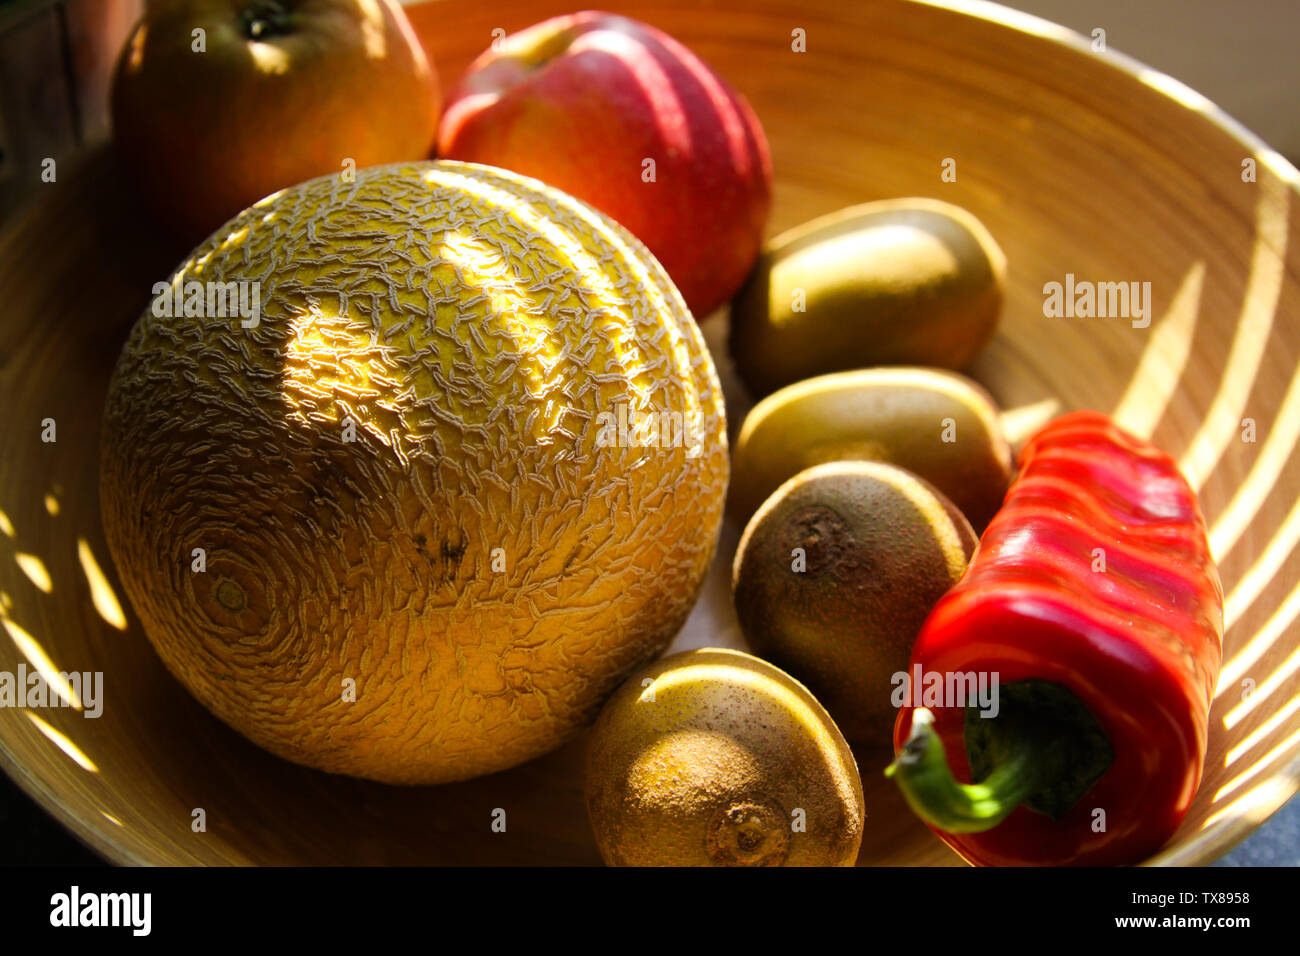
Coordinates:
396 525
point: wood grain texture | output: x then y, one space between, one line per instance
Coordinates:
1077 162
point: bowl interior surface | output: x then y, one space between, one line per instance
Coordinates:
1079 163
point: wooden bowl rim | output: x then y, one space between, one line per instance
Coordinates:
1169 86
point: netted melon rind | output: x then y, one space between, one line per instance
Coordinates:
472 324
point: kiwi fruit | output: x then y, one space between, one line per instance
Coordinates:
896 282
937 424
716 758
835 575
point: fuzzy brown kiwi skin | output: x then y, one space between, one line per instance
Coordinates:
703 759
937 424
846 623
924 285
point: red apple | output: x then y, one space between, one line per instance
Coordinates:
621 115
218 103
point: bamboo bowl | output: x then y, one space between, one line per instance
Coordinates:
1079 162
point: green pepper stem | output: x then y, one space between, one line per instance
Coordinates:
922 773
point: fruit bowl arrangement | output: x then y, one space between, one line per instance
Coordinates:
447 470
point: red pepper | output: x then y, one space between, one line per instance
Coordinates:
1095 603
